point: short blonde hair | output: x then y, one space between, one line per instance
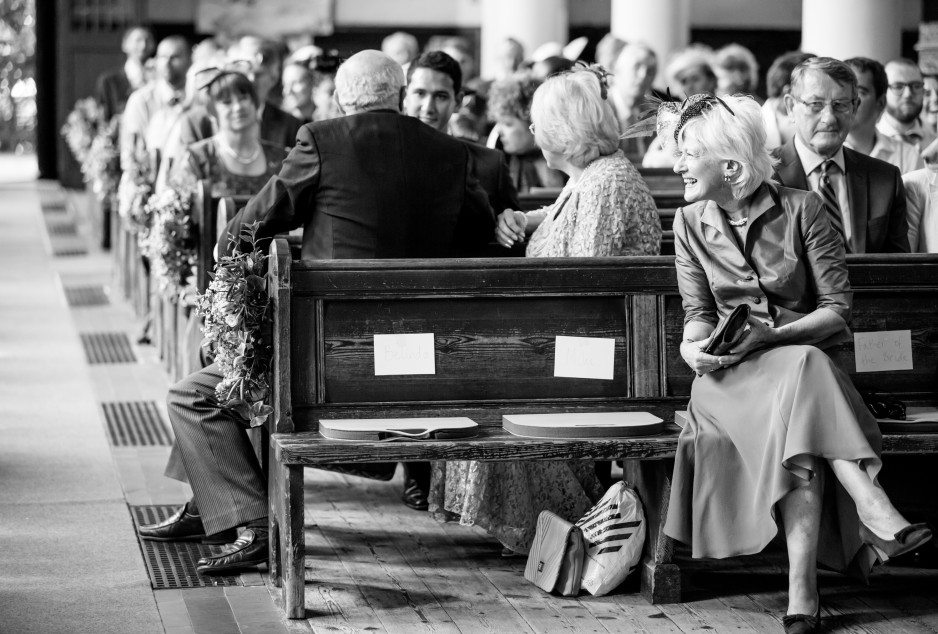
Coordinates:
738 136
572 118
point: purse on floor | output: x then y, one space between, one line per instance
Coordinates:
555 562
729 331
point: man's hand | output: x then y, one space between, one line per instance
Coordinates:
511 225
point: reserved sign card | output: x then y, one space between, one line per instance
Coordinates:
584 357
884 350
404 354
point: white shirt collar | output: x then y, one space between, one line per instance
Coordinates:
811 160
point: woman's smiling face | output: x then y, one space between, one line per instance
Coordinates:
702 174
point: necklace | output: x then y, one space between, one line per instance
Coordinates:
244 160
738 223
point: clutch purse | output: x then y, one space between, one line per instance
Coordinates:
555 562
729 331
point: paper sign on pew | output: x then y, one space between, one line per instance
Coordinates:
404 354
883 350
584 357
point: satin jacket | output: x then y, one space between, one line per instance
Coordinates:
792 261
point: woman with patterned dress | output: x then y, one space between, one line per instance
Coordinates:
777 437
605 209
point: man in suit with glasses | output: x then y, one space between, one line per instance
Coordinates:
864 197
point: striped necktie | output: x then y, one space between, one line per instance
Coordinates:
829 194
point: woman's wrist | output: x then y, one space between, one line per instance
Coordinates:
522 219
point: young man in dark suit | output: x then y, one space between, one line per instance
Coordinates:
864 196
371 184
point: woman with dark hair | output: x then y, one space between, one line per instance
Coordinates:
509 106
777 436
234 159
779 130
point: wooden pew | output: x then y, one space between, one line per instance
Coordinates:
494 323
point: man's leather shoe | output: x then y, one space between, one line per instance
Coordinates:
180 526
248 551
414 495
183 526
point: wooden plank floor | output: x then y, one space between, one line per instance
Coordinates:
375 565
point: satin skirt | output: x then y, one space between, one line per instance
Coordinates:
757 431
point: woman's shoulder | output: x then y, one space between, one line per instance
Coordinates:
203 150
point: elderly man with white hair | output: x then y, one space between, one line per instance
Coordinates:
371 184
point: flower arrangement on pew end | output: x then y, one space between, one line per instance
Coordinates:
93 142
170 243
236 309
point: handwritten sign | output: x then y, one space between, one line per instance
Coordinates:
584 357
404 354
884 350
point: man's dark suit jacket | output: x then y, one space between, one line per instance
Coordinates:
491 169
279 127
374 185
875 192
111 92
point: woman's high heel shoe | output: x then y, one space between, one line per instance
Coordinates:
803 623
906 540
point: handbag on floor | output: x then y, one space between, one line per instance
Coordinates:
555 562
614 535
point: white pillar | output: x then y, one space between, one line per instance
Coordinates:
866 28
531 22
662 24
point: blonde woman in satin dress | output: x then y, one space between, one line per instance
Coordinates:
605 209
776 431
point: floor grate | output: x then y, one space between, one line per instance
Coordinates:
54 207
62 229
108 347
171 565
69 252
135 424
78 296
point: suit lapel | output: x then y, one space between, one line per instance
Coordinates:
790 171
857 180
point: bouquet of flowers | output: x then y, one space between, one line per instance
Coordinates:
236 309
80 128
170 244
102 163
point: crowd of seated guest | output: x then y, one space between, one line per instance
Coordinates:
324 147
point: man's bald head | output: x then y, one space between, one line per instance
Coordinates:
369 80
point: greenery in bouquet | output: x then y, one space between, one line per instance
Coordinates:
171 242
135 192
101 167
236 310
81 127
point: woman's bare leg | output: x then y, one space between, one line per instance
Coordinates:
873 505
801 517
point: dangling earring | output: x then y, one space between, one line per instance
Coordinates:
727 178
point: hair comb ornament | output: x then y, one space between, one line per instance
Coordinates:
208 76
602 75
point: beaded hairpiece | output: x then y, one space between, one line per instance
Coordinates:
602 75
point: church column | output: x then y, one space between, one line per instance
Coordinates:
851 28
662 24
531 22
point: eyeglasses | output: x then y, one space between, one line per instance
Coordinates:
840 106
917 87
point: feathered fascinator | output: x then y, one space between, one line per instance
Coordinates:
665 115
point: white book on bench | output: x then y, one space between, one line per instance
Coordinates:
583 425
398 428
